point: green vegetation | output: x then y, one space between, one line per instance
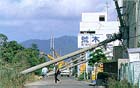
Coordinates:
15 58
112 83
10 77
82 76
97 56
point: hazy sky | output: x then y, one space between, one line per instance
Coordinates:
21 20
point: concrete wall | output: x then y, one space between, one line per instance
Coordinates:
136 66
112 26
93 17
117 52
111 67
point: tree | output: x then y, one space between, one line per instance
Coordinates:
35 49
33 58
13 53
21 59
34 46
97 56
3 39
9 50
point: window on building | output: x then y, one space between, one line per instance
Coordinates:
91 32
101 18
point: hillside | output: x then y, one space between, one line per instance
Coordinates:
63 45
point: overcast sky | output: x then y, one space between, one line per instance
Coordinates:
21 20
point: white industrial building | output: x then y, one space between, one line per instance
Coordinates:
94 28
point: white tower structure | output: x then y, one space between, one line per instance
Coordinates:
52 45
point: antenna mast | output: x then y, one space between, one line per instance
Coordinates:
107 8
52 45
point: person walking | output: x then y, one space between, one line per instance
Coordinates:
57 72
44 72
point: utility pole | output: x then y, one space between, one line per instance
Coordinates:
124 30
71 66
52 46
107 9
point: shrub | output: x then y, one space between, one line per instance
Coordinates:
112 83
10 77
82 76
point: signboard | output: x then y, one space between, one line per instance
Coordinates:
86 40
95 71
83 40
134 54
82 68
134 57
96 38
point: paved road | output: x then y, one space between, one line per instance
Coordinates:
64 83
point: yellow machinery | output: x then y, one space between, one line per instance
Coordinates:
50 57
82 68
97 68
61 63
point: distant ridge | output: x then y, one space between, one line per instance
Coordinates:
64 44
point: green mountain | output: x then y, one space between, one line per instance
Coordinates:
63 45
